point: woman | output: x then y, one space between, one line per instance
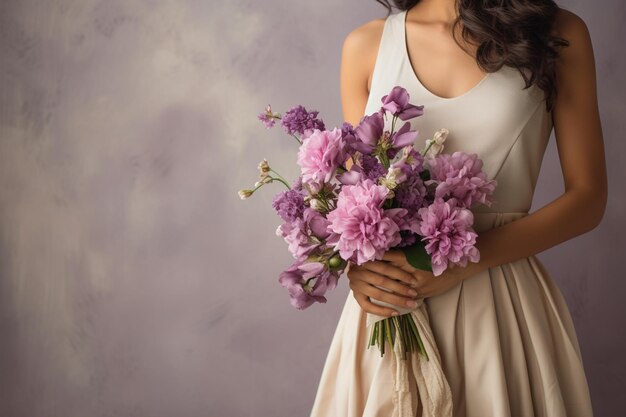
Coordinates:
500 75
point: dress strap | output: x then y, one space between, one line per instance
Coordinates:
389 62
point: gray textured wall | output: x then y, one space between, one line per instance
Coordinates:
133 281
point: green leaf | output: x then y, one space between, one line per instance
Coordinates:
416 255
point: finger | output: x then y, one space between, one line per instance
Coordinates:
370 307
382 295
395 256
385 268
397 287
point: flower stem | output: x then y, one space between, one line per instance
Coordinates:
280 176
426 150
281 180
297 139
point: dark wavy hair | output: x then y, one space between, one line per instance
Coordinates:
516 33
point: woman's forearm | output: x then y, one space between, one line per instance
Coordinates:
573 213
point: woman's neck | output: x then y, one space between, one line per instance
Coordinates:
436 10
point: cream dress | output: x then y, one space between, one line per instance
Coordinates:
507 342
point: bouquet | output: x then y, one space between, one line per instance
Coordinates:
365 190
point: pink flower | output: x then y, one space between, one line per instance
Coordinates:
307 283
360 228
304 235
460 176
447 229
321 154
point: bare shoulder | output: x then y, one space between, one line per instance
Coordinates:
366 36
568 25
358 59
360 47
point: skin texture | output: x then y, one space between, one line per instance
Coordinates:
577 129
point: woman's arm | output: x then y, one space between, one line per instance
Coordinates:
360 49
581 152
358 57
578 210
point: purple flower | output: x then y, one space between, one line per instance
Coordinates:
369 131
303 235
404 136
411 194
447 229
289 204
460 176
268 117
372 168
408 238
353 176
397 103
321 154
349 137
360 228
297 184
299 120
298 281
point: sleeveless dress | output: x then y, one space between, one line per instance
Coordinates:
507 342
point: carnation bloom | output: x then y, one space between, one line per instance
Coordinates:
360 228
321 154
447 230
460 176
299 120
303 294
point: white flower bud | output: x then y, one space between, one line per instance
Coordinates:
440 136
243 194
316 204
437 143
264 167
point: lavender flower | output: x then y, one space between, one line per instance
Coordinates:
372 168
299 120
289 204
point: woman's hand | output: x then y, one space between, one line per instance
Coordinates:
363 279
428 285
394 273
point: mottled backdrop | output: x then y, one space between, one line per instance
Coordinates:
133 281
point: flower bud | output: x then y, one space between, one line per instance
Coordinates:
264 167
336 262
243 194
437 143
440 136
316 204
